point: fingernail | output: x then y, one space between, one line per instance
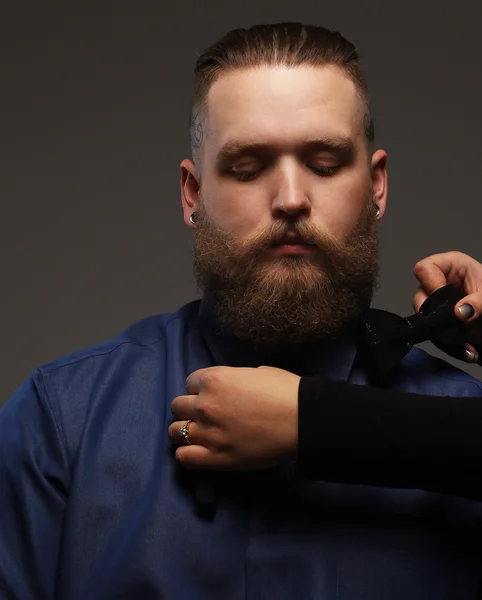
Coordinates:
466 311
470 357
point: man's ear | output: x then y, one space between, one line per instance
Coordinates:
380 180
189 189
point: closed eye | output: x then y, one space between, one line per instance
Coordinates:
251 174
245 175
324 171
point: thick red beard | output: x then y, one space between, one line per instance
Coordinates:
286 300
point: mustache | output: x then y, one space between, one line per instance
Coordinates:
304 231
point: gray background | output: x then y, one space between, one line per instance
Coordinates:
94 111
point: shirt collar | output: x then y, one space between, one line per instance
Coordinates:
331 358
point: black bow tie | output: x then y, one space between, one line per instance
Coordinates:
386 337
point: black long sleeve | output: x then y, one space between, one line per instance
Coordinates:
360 434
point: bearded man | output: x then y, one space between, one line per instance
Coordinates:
284 192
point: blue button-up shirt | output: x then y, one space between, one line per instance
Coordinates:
94 507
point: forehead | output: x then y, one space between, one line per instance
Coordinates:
282 106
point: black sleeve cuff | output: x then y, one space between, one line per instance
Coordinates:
360 434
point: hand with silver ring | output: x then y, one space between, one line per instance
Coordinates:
236 418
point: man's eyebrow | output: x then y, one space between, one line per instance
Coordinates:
236 149
343 147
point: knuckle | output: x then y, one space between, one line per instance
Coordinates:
420 266
205 410
209 378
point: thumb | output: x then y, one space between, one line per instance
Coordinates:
431 277
469 308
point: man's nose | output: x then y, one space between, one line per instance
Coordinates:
292 197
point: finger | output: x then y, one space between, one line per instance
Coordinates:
455 350
431 275
419 298
199 457
194 433
458 268
469 308
471 355
184 407
465 352
445 262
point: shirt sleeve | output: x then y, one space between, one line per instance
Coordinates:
359 434
33 493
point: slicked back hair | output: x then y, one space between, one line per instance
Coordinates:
279 44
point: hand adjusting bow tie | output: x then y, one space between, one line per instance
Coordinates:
386 337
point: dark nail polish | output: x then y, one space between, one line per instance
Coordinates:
471 357
467 311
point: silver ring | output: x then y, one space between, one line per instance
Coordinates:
184 432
